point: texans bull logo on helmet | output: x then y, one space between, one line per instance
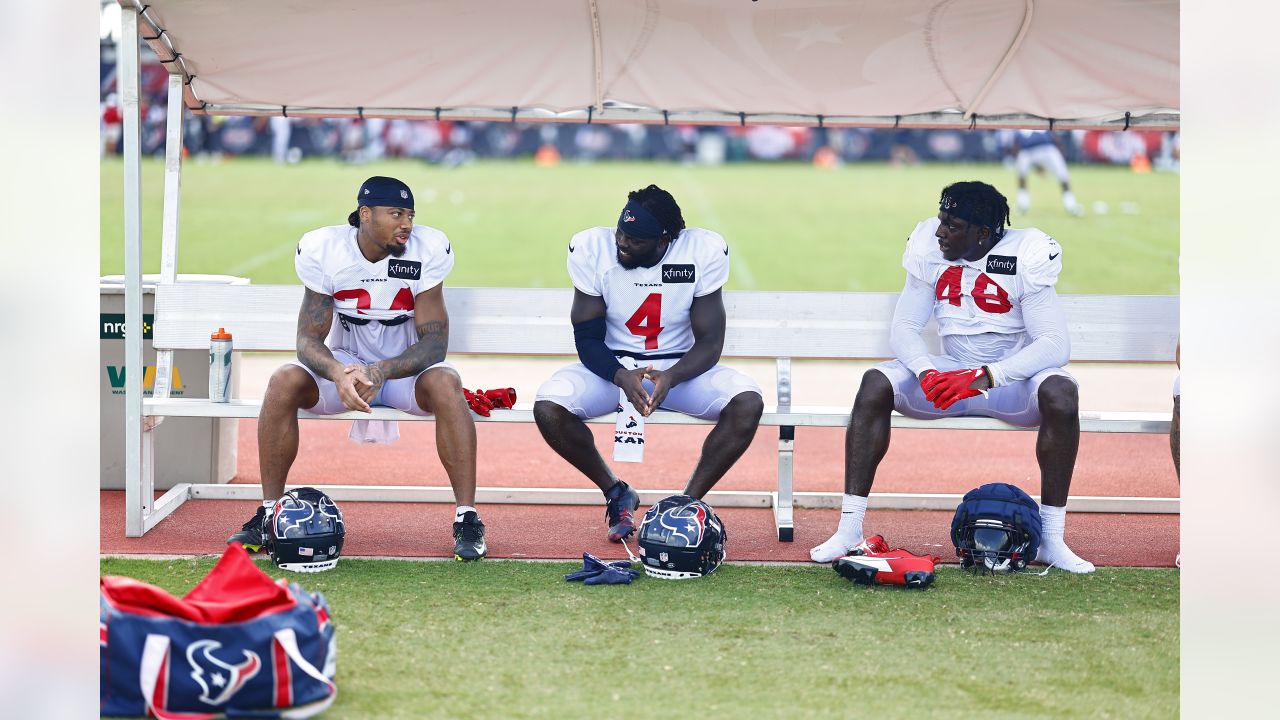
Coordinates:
681 538
683 526
306 531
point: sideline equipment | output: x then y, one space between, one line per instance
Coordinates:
996 528
681 538
305 531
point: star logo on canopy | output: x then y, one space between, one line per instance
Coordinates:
816 33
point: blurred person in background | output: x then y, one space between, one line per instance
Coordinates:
1040 149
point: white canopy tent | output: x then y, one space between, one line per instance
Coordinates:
849 62
870 63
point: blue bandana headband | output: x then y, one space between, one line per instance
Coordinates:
639 223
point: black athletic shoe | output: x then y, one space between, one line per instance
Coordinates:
253 535
468 538
620 509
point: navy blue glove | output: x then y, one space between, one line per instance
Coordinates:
593 566
613 575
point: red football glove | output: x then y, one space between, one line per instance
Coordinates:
948 388
502 398
480 404
928 380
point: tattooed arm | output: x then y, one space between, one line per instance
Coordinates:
432 321
314 321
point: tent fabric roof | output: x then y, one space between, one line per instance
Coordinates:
1083 63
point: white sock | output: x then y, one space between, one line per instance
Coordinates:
1069 201
1024 201
848 533
268 504
1053 549
462 510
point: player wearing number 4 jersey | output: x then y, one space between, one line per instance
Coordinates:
648 292
372 331
1004 341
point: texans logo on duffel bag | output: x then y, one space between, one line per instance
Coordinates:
217 679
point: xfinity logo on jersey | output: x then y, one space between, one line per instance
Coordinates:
677 273
1002 265
404 269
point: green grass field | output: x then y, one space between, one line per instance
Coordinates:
512 639
792 227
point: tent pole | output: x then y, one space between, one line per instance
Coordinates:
168 241
172 181
129 82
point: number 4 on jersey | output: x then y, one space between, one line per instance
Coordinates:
646 321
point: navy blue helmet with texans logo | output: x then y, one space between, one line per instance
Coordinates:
681 538
305 531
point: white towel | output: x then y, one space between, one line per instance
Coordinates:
374 431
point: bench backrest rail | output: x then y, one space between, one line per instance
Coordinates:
535 321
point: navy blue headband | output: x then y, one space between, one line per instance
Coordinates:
379 191
639 223
952 207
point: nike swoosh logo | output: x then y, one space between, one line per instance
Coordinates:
448 248
726 251
1054 255
570 247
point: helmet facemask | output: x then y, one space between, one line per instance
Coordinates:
992 546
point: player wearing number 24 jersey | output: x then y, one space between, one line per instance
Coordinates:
1004 342
647 293
373 330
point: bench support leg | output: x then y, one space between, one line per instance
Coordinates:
166 504
783 519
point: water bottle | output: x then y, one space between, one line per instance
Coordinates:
220 366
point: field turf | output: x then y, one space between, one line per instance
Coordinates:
791 226
512 639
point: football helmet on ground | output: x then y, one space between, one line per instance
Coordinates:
996 528
305 531
681 538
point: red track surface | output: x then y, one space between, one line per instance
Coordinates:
515 456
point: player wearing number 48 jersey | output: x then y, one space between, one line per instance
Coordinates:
1004 342
648 291
372 331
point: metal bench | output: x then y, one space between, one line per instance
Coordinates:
534 322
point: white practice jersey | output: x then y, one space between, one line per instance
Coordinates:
329 262
647 309
978 303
